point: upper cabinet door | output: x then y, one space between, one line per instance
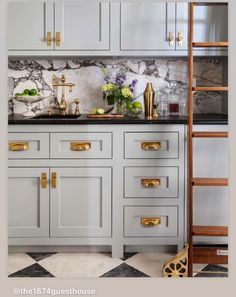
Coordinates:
210 24
147 26
29 25
82 25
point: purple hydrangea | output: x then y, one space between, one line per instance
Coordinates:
120 79
133 84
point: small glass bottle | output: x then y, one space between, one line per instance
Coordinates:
173 104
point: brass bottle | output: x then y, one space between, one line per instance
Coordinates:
148 100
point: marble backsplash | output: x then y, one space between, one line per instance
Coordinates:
88 77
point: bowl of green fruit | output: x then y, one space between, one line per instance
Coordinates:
28 97
134 109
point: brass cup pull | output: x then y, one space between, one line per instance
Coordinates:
58 38
150 183
49 38
80 146
180 38
44 181
150 222
18 146
54 179
171 39
151 146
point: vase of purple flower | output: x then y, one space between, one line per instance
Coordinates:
117 92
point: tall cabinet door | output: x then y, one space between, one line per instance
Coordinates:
80 202
29 24
82 25
28 202
147 26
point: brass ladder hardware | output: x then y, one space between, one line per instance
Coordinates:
171 39
54 179
18 146
49 38
150 183
80 146
150 222
58 38
180 38
44 181
178 265
151 146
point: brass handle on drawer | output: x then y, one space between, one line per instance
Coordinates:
18 146
58 38
150 222
44 181
151 146
54 179
49 38
180 38
150 183
80 146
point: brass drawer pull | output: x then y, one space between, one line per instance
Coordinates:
150 222
18 146
44 181
49 38
54 179
151 146
58 38
150 183
80 146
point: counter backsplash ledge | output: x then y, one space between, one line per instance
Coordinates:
88 77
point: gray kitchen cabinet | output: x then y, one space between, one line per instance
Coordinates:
147 26
28 25
80 202
210 24
28 202
82 25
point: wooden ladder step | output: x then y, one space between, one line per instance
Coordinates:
204 134
211 44
210 89
210 182
210 255
210 231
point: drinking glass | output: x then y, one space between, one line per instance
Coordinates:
163 106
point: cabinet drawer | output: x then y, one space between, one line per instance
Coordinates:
150 221
82 145
28 145
151 182
151 145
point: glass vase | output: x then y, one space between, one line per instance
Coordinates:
120 107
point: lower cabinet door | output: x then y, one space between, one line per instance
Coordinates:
28 202
80 202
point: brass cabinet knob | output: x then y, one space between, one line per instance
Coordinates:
180 38
150 183
18 146
58 38
44 180
151 146
150 222
171 39
49 38
54 179
80 146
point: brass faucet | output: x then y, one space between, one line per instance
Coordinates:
63 84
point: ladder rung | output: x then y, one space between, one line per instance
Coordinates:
210 89
210 255
210 134
211 44
210 231
210 182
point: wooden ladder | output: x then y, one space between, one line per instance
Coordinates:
201 254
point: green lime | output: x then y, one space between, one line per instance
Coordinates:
17 94
33 92
136 110
101 111
137 105
129 106
26 91
25 94
94 111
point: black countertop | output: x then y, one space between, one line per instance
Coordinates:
204 119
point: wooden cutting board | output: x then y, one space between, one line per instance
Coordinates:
105 116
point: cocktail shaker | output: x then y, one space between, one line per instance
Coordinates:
148 100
